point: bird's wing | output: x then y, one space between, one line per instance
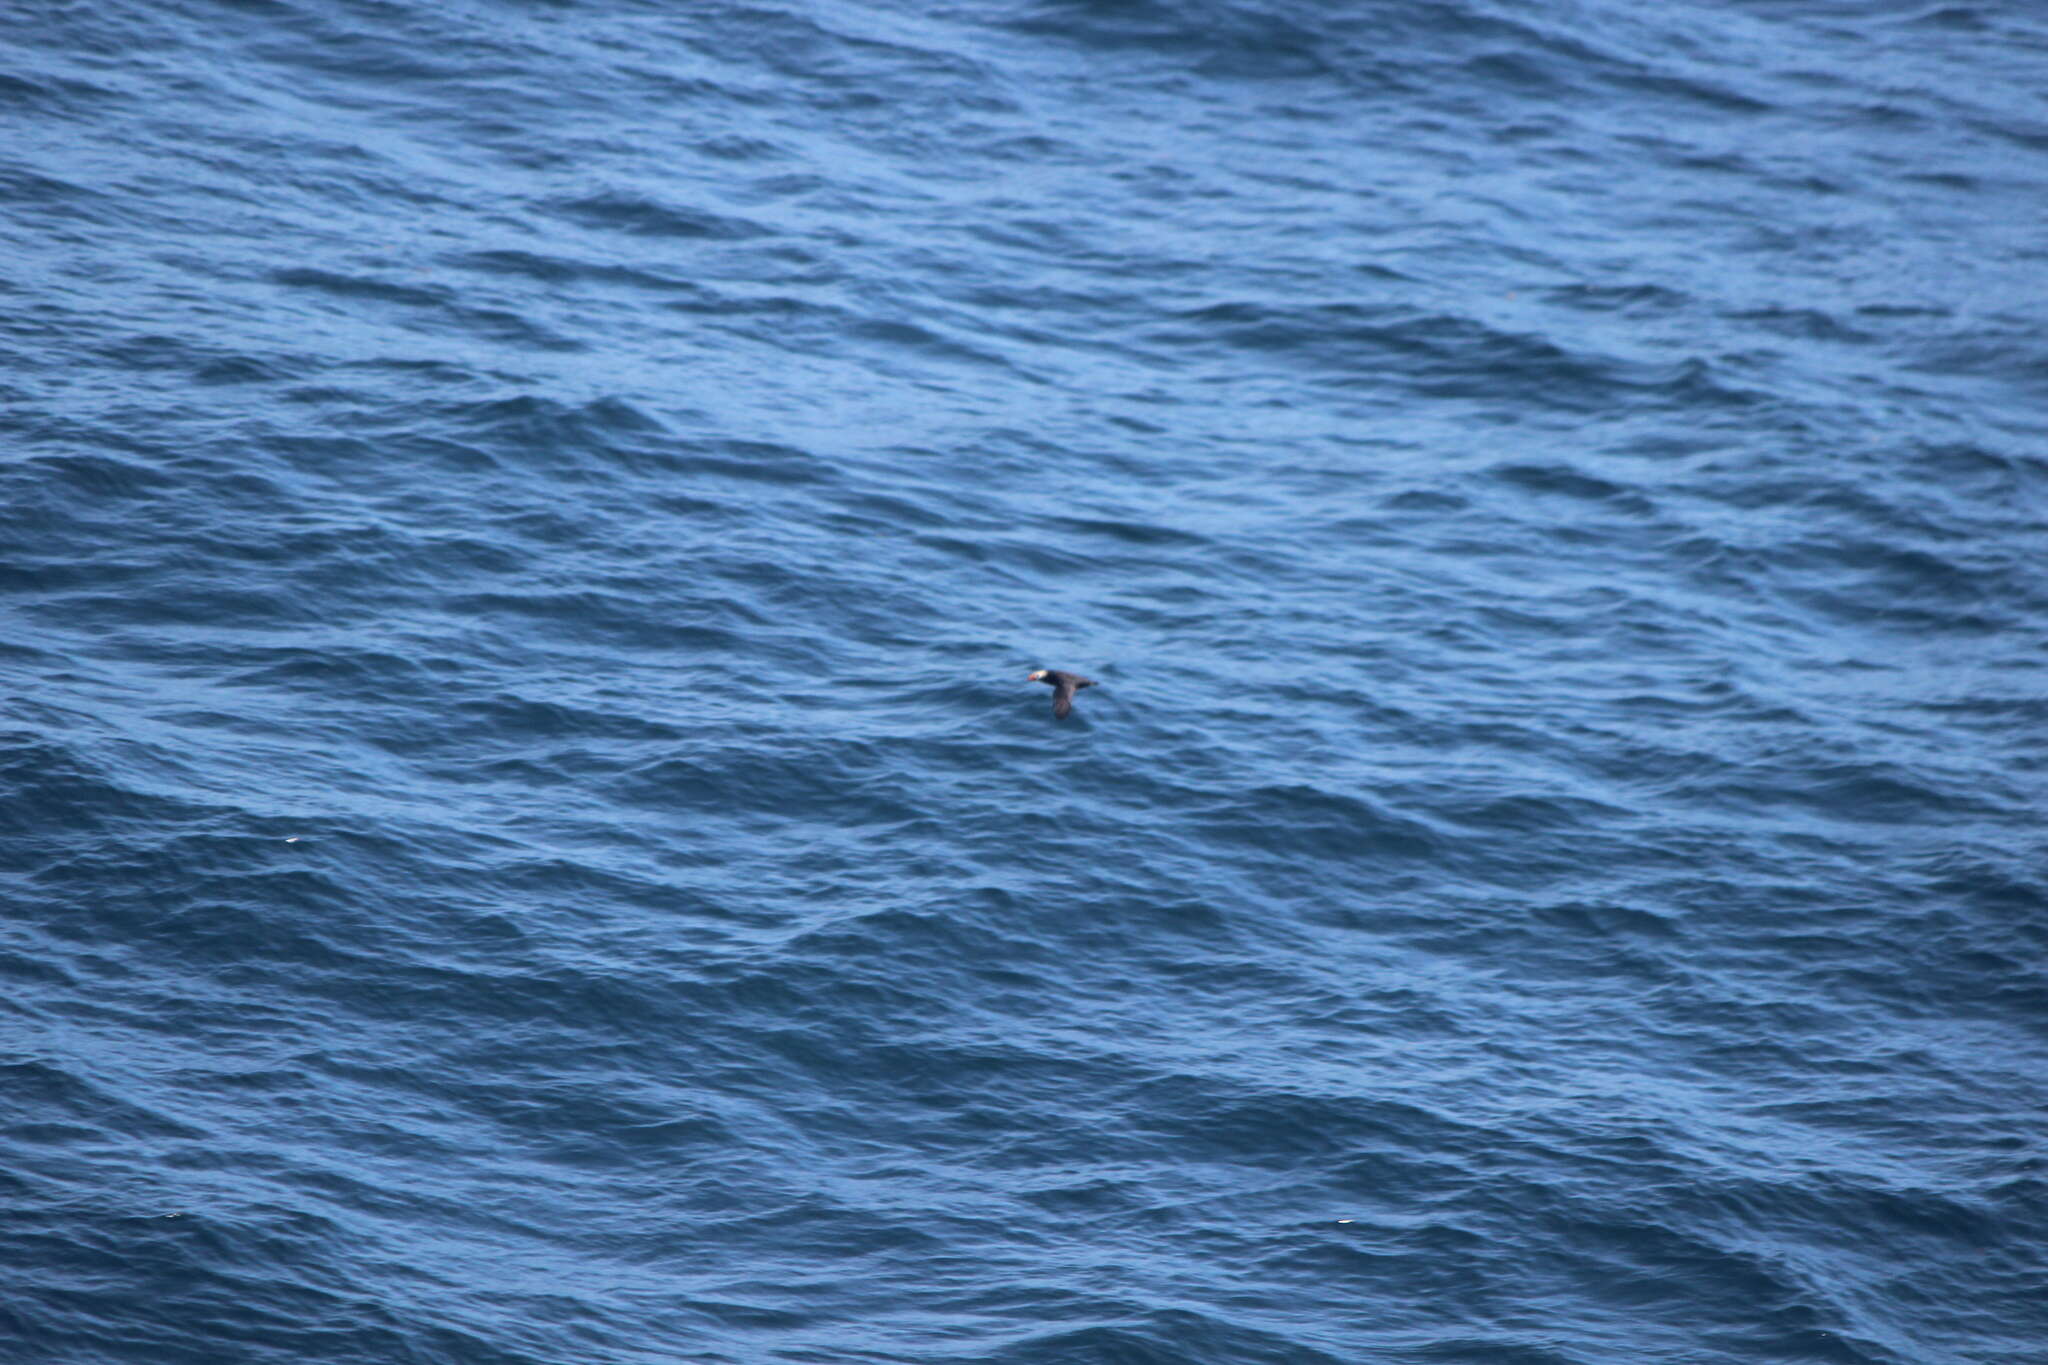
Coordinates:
1062 700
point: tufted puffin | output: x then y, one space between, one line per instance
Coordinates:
1063 685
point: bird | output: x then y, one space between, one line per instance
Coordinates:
1064 686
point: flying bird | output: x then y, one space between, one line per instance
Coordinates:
1063 685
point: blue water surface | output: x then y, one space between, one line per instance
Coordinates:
527 839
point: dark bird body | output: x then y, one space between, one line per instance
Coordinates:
1064 686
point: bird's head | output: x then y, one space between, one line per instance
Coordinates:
1038 676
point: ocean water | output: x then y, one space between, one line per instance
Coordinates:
526 839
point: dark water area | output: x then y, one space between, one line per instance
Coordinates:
523 527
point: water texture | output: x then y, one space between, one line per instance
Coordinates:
526 837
